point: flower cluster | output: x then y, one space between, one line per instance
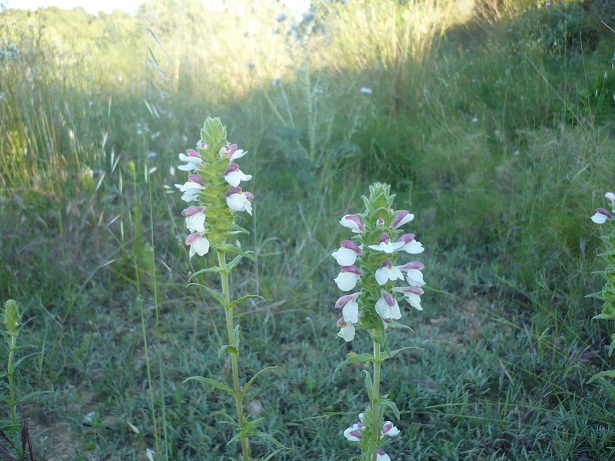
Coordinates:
602 215
213 183
368 263
356 433
607 295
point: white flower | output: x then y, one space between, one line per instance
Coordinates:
347 254
191 188
231 152
388 272
353 433
347 278
412 295
414 276
195 218
353 223
233 175
192 160
386 245
410 245
389 429
347 330
198 244
350 311
402 218
381 455
601 216
238 200
387 306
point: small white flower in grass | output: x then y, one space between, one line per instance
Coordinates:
365 90
387 306
347 330
601 216
412 295
198 244
231 152
386 245
347 278
381 455
350 307
347 254
414 276
238 200
192 188
388 272
353 433
233 175
150 455
353 223
389 429
611 197
195 218
410 245
402 217
192 160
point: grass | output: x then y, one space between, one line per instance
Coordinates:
499 141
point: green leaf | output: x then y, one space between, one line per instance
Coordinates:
213 383
399 325
214 293
245 298
603 374
237 332
281 447
24 358
369 385
234 250
390 354
230 349
387 403
249 383
604 316
214 270
246 431
279 450
30 395
356 359
230 266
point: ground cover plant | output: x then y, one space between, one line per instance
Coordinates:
493 124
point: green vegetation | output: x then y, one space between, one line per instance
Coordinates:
494 126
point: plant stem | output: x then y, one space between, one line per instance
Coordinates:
245 443
375 395
10 373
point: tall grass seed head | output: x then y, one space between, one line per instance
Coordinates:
12 317
367 267
213 189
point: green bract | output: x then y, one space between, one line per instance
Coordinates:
12 318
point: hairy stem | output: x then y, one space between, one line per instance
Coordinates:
10 373
245 443
375 395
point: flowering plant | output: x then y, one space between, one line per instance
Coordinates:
607 294
215 198
368 269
